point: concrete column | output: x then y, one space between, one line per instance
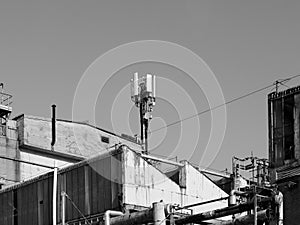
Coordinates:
159 216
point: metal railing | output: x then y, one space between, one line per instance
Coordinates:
5 99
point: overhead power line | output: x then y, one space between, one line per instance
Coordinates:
226 103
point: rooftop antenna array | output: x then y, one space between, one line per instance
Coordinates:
143 93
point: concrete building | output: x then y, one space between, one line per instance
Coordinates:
284 149
56 171
99 171
25 143
120 179
28 139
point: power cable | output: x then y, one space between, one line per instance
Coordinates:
165 218
213 108
74 205
226 103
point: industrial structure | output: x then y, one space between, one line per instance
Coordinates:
284 148
69 173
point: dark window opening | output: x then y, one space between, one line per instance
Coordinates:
105 139
288 127
283 129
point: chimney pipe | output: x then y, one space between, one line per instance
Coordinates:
53 125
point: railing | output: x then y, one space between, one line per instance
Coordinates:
5 99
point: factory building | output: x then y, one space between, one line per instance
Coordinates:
120 179
98 171
284 148
28 139
63 172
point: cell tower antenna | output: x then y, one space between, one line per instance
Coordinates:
143 91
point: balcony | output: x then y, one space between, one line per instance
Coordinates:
5 104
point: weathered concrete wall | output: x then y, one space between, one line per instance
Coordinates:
9 170
199 189
28 171
144 184
73 138
28 138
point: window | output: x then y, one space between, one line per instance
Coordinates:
105 139
283 129
288 111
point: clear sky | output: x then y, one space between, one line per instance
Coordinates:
46 46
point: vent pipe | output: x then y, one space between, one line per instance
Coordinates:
54 195
53 126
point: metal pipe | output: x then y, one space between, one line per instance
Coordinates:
255 209
54 196
202 203
53 126
279 201
141 121
215 173
141 217
232 196
109 213
262 216
63 208
218 213
162 160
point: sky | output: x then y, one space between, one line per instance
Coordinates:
46 48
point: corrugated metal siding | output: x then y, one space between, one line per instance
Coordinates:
6 208
89 186
23 205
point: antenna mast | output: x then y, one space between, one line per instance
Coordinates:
143 91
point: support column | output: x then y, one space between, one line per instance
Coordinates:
159 216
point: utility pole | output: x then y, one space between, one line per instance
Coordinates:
143 91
